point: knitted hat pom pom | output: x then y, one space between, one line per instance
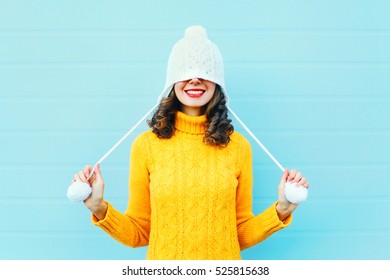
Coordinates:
195 32
295 194
79 191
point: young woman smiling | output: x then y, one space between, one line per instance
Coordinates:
190 178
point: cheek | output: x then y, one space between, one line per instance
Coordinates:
179 86
211 86
211 90
209 97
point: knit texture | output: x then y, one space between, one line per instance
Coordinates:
194 56
189 200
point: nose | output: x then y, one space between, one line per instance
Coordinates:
195 81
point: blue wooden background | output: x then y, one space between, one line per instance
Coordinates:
310 78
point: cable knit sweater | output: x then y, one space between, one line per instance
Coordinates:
189 200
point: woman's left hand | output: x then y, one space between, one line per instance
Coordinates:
285 207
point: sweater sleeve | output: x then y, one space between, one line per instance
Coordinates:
253 229
132 228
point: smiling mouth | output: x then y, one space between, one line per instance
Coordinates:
195 93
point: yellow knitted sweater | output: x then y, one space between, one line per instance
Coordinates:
189 200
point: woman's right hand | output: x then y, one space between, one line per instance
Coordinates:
95 202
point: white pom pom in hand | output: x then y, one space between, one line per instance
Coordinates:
295 194
79 191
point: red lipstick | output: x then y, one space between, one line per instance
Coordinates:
194 92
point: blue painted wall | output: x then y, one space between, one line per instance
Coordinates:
310 78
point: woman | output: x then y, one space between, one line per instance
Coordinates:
190 181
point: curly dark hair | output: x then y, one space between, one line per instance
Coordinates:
218 127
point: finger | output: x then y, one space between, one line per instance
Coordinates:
89 173
301 182
306 185
98 173
297 177
87 170
76 177
82 176
283 180
292 174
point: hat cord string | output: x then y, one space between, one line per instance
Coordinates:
257 140
121 140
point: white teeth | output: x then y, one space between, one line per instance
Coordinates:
195 91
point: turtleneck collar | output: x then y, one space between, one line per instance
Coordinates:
190 124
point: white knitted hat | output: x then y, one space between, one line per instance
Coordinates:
194 56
